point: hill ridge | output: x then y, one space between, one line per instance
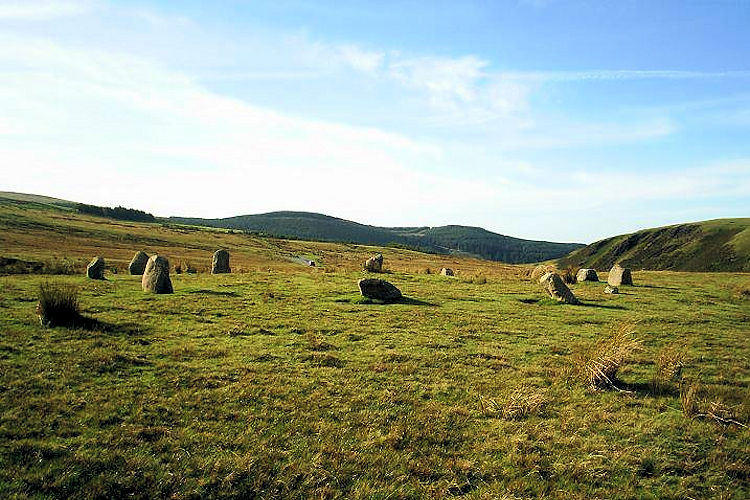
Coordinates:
712 245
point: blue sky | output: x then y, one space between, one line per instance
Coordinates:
565 121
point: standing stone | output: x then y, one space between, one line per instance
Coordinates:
375 264
220 263
156 275
611 289
446 271
373 288
556 288
541 270
587 275
95 269
619 276
138 264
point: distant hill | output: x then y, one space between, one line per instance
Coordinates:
715 245
463 240
38 199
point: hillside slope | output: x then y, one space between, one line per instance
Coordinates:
715 245
464 240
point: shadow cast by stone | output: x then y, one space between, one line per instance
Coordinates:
414 302
602 306
214 292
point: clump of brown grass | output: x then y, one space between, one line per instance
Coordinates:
477 279
696 402
570 275
58 305
669 363
598 366
521 403
689 391
743 291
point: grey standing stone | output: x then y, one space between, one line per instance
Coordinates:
156 276
556 288
375 264
373 288
220 263
446 271
611 289
95 269
587 275
619 276
138 263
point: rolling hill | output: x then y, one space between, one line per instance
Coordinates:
464 240
714 245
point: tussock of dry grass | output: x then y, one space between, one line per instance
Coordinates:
598 366
669 363
521 403
698 402
570 275
58 304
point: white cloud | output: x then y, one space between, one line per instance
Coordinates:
41 10
574 76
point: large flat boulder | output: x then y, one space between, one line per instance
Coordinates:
378 289
556 288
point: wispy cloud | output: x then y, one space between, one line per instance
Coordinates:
589 75
41 10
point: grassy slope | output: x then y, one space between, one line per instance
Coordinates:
35 198
445 239
316 395
716 245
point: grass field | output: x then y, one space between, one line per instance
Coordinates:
278 381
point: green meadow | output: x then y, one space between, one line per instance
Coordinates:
279 381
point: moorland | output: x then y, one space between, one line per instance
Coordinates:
279 381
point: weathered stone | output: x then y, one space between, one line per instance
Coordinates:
374 264
587 275
156 275
446 271
541 270
95 269
138 264
619 276
373 288
556 288
220 263
611 289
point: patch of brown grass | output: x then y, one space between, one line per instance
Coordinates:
521 403
598 365
669 363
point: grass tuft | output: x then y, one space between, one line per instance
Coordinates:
598 366
669 363
570 275
521 403
58 305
